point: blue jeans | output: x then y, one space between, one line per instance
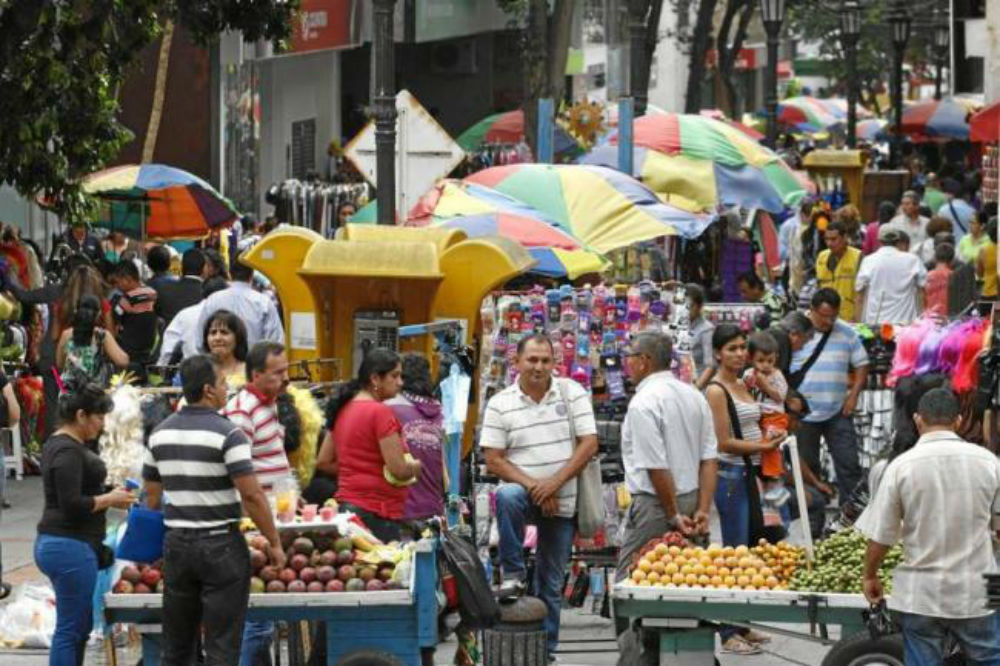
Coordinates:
257 636
842 441
733 504
555 542
923 639
71 565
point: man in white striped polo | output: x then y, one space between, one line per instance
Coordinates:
198 468
527 443
255 411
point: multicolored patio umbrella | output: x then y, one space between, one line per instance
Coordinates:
604 208
871 129
985 125
508 127
158 201
936 119
696 163
807 114
452 198
838 107
558 254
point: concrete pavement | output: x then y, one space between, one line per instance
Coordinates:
581 630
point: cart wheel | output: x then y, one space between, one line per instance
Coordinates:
862 650
369 658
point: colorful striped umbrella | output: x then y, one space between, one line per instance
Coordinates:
452 198
604 208
838 107
717 114
936 119
508 127
158 201
807 114
697 163
557 253
985 125
871 129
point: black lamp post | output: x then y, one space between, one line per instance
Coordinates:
850 32
942 39
772 12
383 41
637 51
899 21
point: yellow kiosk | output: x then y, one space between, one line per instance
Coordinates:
838 168
343 296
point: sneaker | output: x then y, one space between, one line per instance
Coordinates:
4 590
509 589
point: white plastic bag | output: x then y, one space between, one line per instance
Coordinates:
30 619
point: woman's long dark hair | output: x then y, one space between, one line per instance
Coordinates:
91 398
235 325
417 376
376 362
88 310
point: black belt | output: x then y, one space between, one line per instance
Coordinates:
206 531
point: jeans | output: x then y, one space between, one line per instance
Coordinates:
924 637
71 565
555 542
207 584
733 504
257 637
842 441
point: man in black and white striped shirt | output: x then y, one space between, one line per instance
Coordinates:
527 443
198 466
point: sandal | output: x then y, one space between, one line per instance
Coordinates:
736 645
756 638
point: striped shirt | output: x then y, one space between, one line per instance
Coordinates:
536 435
196 454
825 385
258 418
940 498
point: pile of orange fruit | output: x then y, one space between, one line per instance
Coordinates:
727 568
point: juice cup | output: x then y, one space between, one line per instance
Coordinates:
309 512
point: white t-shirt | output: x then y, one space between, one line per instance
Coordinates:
891 279
915 231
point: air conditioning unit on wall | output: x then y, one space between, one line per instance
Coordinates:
454 57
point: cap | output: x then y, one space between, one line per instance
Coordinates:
891 236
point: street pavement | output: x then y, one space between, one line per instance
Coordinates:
581 629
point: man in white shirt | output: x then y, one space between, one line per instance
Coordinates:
910 221
890 282
668 450
941 499
527 443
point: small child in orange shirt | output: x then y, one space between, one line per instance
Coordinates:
768 381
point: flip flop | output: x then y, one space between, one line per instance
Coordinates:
736 645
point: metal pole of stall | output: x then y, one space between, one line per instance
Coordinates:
625 136
546 130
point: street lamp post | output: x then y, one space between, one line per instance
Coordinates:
636 56
850 32
773 14
383 41
899 21
942 39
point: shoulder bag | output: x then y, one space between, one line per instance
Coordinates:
796 378
589 491
756 529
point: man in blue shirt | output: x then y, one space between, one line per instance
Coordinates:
831 392
956 209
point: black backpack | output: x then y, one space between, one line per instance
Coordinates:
476 604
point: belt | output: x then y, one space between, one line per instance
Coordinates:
206 531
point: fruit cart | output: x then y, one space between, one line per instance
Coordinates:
383 628
678 616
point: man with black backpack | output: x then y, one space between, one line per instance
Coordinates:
821 372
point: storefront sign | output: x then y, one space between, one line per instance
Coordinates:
326 24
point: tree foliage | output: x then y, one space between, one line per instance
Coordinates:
62 63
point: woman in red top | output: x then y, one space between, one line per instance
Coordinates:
364 442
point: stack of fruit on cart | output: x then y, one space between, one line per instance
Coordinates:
838 565
327 562
672 563
140 579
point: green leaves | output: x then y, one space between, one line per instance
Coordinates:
62 65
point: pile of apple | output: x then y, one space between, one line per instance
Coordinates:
316 563
140 579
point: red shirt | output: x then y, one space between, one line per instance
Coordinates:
359 427
936 291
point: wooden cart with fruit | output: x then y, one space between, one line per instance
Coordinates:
679 592
373 613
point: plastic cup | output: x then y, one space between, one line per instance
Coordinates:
327 513
309 512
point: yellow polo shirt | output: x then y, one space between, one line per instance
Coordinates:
841 279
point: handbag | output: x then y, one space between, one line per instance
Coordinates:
757 529
589 491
